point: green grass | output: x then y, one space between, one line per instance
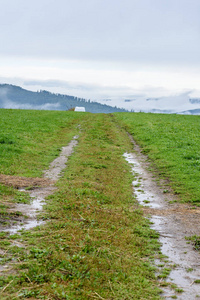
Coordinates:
195 240
30 140
96 244
172 143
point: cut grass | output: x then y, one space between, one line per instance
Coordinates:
96 243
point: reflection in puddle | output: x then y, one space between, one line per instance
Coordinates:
185 260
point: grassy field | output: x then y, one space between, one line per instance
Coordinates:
95 244
29 141
172 142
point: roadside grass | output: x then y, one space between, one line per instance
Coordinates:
95 244
29 141
172 143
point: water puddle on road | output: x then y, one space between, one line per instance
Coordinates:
38 195
173 222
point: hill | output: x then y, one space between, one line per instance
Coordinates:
12 96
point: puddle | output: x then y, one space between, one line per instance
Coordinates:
39 194
173 225
144 189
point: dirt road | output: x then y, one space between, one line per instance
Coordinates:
174 222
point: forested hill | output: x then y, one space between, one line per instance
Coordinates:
12 96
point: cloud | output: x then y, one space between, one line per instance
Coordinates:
103 49
14 105
83 90
60 84
149 99
145 31
172 104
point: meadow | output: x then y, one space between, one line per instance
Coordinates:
96 243
29 141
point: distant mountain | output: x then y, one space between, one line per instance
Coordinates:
12 96
191 112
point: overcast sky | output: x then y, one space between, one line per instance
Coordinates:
102 48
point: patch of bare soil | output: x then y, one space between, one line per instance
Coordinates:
24 182
174 222
187 215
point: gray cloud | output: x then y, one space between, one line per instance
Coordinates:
128 98
145 31
59 40
77 86
173 104
61 84
124 97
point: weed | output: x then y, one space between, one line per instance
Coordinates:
137 185
165 273
22 197
146 201
189 269
197 281
166 191
179 290
195 241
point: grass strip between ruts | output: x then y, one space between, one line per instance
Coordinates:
95 244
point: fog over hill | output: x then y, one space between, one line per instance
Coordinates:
12 96
178 104
15 97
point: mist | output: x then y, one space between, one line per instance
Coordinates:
171 104
146 100
14 105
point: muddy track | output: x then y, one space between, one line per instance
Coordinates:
39 189
174 221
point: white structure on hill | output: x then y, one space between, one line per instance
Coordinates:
79 108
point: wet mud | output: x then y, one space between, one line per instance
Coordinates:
174 221
24 216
